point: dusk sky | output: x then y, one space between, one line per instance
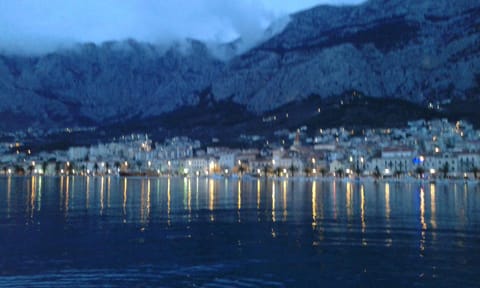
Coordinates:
42 26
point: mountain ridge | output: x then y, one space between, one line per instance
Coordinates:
422 52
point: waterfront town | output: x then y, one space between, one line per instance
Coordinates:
435 149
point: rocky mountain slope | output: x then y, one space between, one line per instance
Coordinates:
420 51
415 50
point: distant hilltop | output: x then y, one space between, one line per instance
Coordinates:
420 51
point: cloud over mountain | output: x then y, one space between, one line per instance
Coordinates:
28 26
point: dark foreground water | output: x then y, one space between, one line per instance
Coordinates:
117 232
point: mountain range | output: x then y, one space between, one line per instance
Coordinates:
418 51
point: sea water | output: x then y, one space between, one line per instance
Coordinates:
200 232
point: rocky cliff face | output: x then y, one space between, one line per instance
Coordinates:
104 83
415 50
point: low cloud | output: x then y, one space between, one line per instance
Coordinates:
31 26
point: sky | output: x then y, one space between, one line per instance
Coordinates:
39 26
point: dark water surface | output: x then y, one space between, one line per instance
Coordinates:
160 232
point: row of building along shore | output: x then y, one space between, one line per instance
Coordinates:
423 149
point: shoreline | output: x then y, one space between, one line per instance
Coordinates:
274 178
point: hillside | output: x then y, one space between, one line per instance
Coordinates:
417 51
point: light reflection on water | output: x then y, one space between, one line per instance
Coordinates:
283 231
